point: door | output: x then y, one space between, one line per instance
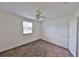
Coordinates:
72 36
78 40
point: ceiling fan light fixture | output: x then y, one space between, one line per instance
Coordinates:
37 16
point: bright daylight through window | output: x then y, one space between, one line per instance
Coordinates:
27 27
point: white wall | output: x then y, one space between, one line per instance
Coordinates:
11 31
56 31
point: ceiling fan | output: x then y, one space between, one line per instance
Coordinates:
39 15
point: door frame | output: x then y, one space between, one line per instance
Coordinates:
77 39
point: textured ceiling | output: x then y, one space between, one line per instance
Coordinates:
49 9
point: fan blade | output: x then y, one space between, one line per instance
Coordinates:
42 16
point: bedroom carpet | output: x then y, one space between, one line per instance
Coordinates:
38 48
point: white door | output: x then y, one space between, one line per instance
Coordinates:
72 36
78 40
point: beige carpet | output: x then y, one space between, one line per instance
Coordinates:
39 48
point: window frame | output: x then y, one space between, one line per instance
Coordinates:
23 28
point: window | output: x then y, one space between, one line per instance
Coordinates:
27 27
